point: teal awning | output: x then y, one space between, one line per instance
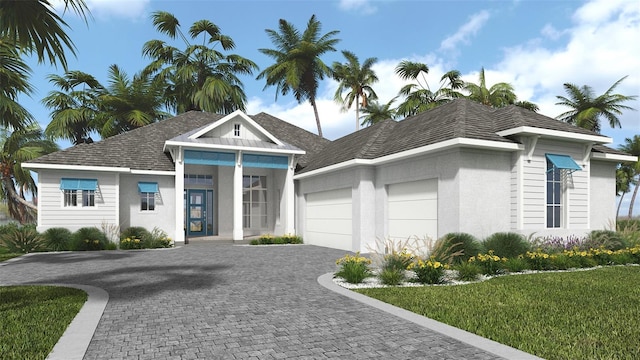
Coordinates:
209 158
78 184
148 187
265 161
563 162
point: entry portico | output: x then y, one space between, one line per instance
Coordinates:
233 161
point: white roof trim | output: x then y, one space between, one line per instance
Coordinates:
231 116
75 167
529 130
153 172
232 147
457 142
614 157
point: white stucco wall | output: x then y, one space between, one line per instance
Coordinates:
52 213
164 214
602 200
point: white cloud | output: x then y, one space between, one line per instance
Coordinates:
362 6
104 9
466 31
551 32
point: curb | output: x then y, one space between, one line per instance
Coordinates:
474 340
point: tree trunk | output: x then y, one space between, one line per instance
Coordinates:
620 203
357 112
315 112
633 199
20 205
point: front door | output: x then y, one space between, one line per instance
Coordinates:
196 213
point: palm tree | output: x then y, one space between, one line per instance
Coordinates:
200 77
624 180
497 96
357 80
73 110
587 109
375 112
298 67
129 103
418 95
34 26
20 146
632 146
14 80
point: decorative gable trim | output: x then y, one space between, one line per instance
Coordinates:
230 117
530 130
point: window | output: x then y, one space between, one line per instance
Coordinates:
254 202
191 179
147 192
236 130
554 195
79 192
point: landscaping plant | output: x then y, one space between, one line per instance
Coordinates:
88 238
490 263
430 271
463 244
507 244
22 239
57 239
353 268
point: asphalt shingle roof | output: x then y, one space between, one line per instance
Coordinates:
142 148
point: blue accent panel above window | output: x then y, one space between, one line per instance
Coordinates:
196 157
148 187
78 184
265 161
563 162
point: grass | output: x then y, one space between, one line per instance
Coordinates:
34 318
6 255
573 315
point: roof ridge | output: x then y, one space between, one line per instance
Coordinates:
382 132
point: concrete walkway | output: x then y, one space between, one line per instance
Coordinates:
206 301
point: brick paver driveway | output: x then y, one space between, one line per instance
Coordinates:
207 301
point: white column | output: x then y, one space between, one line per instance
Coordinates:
289 193
237 198
179 200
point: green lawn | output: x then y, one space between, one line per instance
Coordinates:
572 315
32 319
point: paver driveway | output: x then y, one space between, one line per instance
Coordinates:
207 301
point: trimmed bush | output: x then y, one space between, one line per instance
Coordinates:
88 239
57 239
507 244
134 232
466 245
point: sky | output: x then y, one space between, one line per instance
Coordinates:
535 45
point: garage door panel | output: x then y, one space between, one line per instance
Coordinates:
328 219
424 209
412 209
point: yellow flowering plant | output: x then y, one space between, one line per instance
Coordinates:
353 268
490 263
430 271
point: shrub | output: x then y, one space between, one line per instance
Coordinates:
157 238
353 268
563 262
392 276
538 260
507 244
490 263
134 232
605 239
634 252
516 264
266 239
88 238
467 271
130 243
57 239
393 267
428 272
23 239
254 242
292 239
464 244
445 251
9 227
556 244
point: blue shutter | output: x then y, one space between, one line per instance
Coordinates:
78 184
209 158
265 161
148 187
563 162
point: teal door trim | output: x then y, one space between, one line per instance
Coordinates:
200 216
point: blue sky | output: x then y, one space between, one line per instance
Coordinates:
534 45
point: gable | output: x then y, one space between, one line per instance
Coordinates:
237 126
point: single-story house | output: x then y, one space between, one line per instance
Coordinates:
461 167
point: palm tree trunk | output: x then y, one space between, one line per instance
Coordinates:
21 205
620 203
315 112
357 112
633 199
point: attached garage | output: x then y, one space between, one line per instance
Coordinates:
413 209
328 219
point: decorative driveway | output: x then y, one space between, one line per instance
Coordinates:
209 301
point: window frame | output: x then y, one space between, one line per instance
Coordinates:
150 198
76 198
555 201
251 202
237 130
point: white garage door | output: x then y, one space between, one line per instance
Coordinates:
328 219
413 209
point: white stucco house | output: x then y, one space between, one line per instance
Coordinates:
461 167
